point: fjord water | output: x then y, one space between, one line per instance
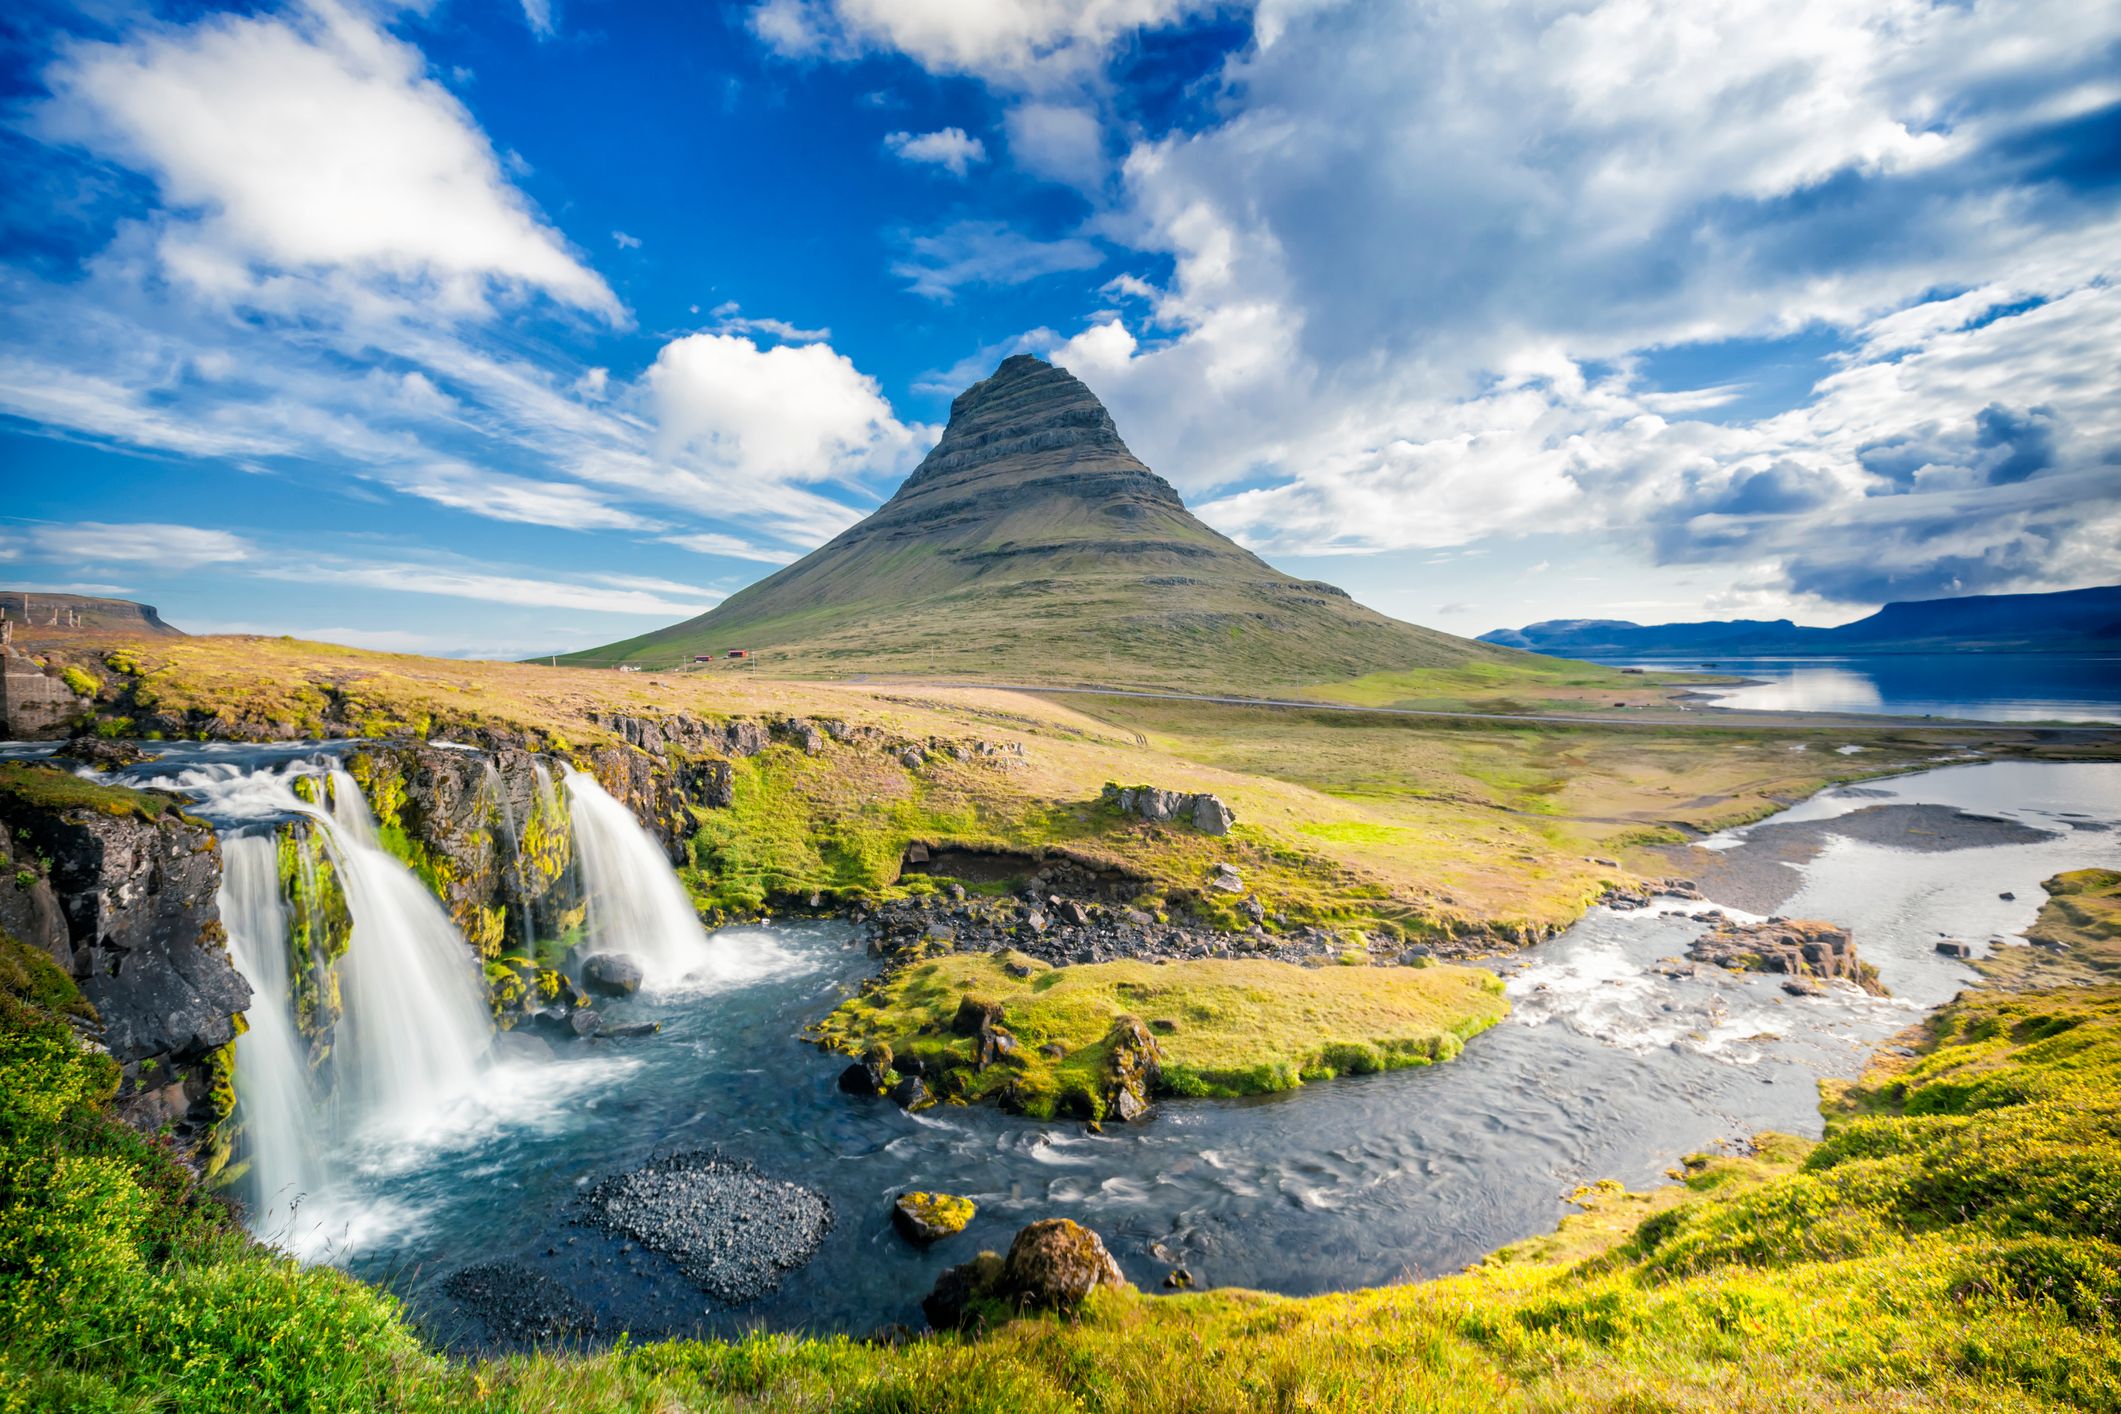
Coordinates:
1980 687
1606 1068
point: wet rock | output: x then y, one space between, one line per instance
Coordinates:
610 974
519 1306
952 1304
1802 987
924 1218
1953 948
630 1031
911 1093
1134 1070
1179 1279
733 1231
584 1023
1798 948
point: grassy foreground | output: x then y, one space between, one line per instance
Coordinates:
1224 1027
1954 1243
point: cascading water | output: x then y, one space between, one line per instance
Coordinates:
635 903
415 1025
276 1103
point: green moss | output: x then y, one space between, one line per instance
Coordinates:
319 930
1230 1027
49 788
80 682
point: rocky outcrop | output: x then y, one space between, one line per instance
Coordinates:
1796 948
1053 1265
1202 811
134 883
1133 1071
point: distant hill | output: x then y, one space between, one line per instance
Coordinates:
1031 545
41 618
2074 620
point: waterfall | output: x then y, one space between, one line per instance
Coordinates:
635 903
415 1026
277 1105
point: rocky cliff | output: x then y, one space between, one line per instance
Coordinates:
119 887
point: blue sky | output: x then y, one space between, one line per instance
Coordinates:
501 327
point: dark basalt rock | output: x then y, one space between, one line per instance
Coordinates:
519 1306
139 928
610 974
733 1231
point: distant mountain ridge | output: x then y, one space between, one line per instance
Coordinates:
2072 620
1031 545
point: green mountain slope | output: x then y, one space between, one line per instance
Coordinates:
1031 545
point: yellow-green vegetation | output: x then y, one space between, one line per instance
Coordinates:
319 930
1393 825
49 788
2075 941
1953 1244
938 1213
1223 1027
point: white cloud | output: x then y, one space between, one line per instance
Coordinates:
793 413
976 253
727 320
947 148
485 585
1060 141
624 241
498 496
734 546
1023 42
312 142
85 544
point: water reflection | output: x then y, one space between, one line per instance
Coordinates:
1987 687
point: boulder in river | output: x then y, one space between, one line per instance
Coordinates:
1053 1265
923 1218
611 974
1794 947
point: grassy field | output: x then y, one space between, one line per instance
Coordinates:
1953 1244
2076 941
1224 1027
1400 826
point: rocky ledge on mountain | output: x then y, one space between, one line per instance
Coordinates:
1803 950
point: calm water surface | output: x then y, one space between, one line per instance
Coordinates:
1983 687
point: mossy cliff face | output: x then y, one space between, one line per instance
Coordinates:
139 931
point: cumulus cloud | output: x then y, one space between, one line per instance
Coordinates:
1022 42
977 253
947 148
309 141
792 413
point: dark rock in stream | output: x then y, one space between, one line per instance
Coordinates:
611 974
519 1306
733 1231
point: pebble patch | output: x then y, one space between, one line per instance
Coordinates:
519 1306
734 1232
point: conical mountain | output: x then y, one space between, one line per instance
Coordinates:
1032 546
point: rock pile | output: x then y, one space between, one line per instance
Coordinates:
519 1306
733 1231
1053 1265
1062 931
1202 811
1798 948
